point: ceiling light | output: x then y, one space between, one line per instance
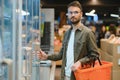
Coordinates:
92 12
114 15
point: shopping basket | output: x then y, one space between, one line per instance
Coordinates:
98 72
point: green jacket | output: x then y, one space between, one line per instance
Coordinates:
84 45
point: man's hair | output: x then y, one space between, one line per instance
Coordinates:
75 4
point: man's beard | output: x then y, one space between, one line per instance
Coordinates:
75 22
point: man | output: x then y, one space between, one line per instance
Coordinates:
78 44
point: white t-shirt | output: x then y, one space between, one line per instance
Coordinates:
70 54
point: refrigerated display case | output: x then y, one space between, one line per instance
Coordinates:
20 39
19 29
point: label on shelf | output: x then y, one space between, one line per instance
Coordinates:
118 49
118 61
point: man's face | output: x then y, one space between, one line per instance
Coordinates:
74 14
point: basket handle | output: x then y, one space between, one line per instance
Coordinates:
96 58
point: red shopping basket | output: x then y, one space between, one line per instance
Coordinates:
98 72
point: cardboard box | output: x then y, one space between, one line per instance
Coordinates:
109 49
115 74
103 43
115 60
113 49
105 56
116 63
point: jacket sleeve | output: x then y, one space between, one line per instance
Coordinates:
56 57
91 48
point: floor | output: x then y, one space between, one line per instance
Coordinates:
58 73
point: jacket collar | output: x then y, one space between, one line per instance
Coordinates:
79 27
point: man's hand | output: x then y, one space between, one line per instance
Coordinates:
76 65
42 55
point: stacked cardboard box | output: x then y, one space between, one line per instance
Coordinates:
103 43
111 52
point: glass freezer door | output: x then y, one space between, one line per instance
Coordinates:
6 40
19 36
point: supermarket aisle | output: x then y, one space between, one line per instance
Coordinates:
57 73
